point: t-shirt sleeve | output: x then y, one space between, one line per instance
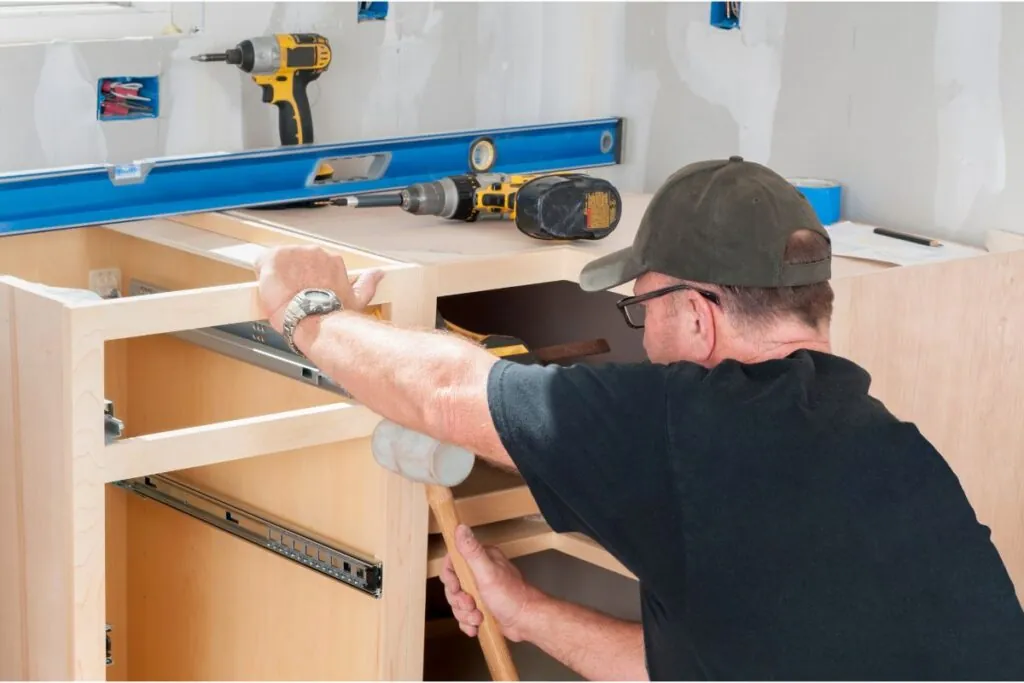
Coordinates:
591 444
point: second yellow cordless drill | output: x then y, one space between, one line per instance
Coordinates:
282 65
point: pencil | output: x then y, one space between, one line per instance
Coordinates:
909 238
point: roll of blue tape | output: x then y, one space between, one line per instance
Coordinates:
825 197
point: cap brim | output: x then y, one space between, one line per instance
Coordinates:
610 271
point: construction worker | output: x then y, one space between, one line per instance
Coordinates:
782 523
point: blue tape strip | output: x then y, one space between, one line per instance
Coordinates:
825 197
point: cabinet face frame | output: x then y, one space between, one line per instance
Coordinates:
56 466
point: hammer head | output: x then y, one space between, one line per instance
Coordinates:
419 457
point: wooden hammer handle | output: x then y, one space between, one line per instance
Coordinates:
563 352
492 642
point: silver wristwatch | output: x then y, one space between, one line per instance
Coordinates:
304 304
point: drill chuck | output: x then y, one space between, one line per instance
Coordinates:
451 197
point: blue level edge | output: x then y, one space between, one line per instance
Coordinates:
110 193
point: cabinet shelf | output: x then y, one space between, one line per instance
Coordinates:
519 537
490 495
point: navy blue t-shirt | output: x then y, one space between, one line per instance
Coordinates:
781 522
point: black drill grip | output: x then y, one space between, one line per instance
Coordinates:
296 126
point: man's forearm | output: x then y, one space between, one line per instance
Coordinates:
594 645
422 379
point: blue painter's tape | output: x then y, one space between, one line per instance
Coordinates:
825 197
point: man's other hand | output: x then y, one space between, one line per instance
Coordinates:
284 271
502 588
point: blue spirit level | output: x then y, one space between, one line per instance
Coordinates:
92 195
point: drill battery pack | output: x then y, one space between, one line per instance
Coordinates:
570 206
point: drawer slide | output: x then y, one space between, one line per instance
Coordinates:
345 566
259 344
254 342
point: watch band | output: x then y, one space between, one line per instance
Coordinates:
311 301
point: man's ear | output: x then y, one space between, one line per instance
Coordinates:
704 327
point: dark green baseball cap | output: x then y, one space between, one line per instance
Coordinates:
722 222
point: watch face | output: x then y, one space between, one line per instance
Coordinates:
319 297
318 300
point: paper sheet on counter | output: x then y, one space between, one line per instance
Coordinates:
245 252
858 240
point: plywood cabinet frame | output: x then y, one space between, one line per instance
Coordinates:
52 359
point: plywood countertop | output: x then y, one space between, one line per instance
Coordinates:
463 253
464 257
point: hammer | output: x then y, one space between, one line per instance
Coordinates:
442 466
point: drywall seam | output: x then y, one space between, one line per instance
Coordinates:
202 103
511 65
65 110
564 79
407 55
740 70
971 142
620 88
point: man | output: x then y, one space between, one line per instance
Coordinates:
781 522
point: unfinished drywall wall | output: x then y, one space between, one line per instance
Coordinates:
915 108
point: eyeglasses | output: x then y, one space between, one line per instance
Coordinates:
634 311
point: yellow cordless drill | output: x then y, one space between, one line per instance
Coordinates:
554 206
282 65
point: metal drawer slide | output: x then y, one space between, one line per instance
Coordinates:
342 565
255 343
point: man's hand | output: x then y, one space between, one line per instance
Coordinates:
594 645
502 588
284 271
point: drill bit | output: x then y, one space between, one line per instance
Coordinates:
211 57
369 200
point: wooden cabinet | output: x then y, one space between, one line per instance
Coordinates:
184 598
187 599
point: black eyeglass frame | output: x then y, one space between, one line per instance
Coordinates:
622 303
